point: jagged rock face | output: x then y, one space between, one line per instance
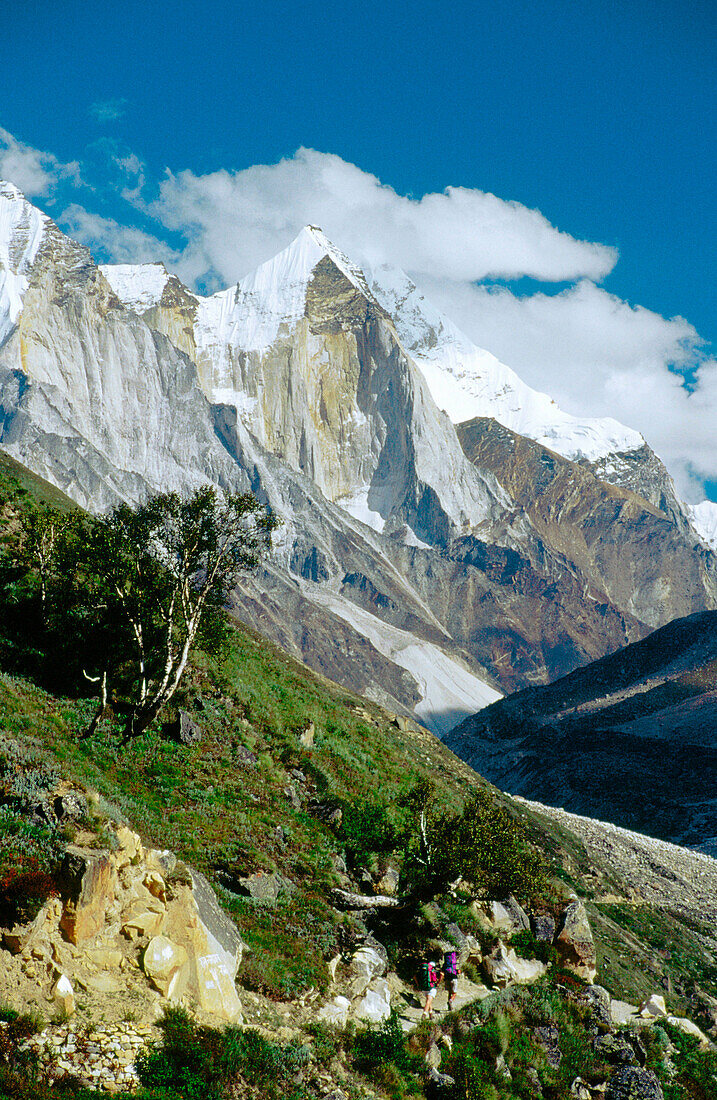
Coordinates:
297 383
641 471
94 400
628 551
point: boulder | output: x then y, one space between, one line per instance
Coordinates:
503 967
216 990
262 887
689 1028
166 964
211 941
388 883
104 958
575 942
147 922
598 1001
64 995
653 1006
375 1005
543 927
72 804
507 915
616 1049
438 1084
367 963
548 1037
633 1083
185 729
129 847
502 1069
433 1056
155 884
88 882
336 1012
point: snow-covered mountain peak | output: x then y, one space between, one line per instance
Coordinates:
704 521
138 286
249 315
22 227
467 381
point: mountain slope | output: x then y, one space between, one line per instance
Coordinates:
645 559
403 568
630 738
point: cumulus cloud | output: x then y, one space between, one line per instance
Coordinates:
112 242
235 220
596 354
107 110
34 171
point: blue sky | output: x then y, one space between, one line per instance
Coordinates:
599 115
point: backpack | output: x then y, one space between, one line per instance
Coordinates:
427 976
450 964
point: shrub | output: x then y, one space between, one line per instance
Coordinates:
526 945
382 1045
29 857
368 828
484 845
201 1061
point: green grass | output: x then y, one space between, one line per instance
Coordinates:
219 802
641 948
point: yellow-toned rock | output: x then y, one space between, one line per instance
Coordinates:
64 994
167 966
105 958
88 884
145 923
216 989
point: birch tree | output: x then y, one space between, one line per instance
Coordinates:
157 569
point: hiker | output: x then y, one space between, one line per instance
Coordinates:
450 975
428 978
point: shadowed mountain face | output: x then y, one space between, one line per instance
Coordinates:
416 563
631 738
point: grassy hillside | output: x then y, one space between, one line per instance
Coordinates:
292 775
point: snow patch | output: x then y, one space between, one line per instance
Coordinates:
450 692
704 520
138 286
22 227
357 506
467 381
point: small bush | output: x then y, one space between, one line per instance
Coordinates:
385 1043
201 1061
526 945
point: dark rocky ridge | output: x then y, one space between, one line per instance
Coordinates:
629 738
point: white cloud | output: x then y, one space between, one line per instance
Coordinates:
596 354
35 172
112 242
593 352
235 220
107 110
